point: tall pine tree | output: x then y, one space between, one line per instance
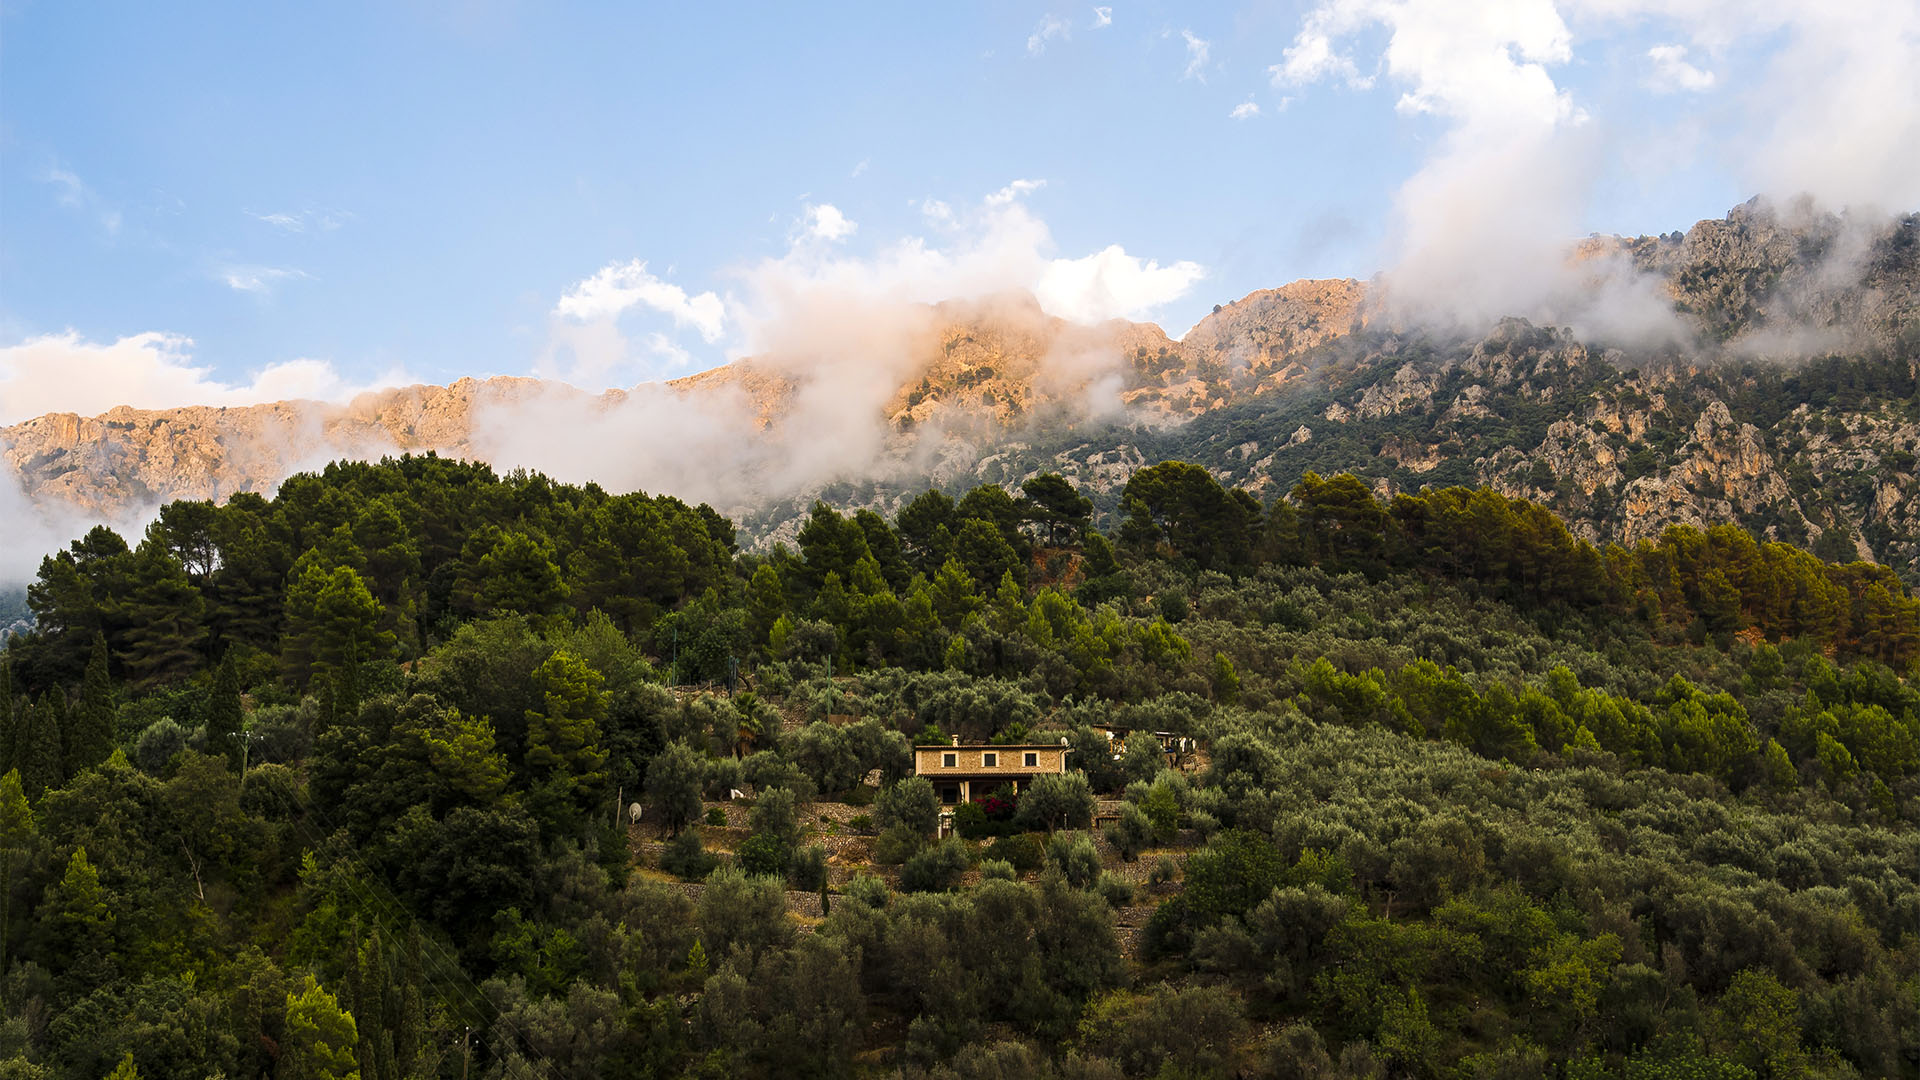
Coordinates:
16 842
89 738
9 721
40 751
166 619
224 714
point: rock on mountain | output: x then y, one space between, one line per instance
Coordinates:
1792 409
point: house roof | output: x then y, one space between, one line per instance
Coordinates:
993 746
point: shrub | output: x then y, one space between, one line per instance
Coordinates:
1161 805
911 803
861 823
937 868
1074 856
1023 852
1063 801
867 889
897 844
1164 871
764 855
716 817
808 868
997 870
1131 834
773 814
685 857
723 776
1204 823
158 744
1117 893
970 820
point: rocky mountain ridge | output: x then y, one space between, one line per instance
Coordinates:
1621 440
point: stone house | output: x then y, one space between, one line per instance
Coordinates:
965 773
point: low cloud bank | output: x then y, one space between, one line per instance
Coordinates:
1807 100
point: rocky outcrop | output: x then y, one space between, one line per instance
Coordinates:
1263 330
131 457
1283 380
1788 281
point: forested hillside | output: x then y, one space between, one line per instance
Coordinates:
335 784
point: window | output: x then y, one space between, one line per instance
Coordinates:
1033 761
948 761
989 761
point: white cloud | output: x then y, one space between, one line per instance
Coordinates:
259 280
301 220
1312 57
826 222
1246 110
1110 284
1480 228
1671 71
1051 27
154 370
619 286
845 330
669 350
858 169
74 194
1102 17
1197 49
996 246
1014 192
1834 113
1482 225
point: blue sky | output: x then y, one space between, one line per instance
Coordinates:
352 192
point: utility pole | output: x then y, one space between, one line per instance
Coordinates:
466 1057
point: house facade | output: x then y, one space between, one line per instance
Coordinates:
965 773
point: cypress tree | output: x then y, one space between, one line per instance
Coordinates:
40 755
16 840
89 738
410 1014
224 713
9 722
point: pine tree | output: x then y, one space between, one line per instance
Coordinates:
410 1022
563 739
9 721
224 713
166 619
320 1036
40 752
333 624
76 922
766 601
16 841
89 739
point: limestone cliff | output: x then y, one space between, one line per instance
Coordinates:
1793 410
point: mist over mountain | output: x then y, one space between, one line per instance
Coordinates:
1757 368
